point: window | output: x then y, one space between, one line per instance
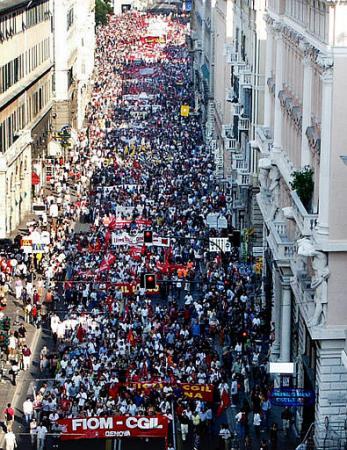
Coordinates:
317 20
37 14
40 98
70 19
69 77
14 71
2 138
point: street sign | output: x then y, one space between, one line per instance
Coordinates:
218 244
214 220
291 397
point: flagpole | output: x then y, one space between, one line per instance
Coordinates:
173 424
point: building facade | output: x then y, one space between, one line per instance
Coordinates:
74 47
26 70
245 56
229 53
303 186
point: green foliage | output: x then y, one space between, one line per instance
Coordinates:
102 9
303 184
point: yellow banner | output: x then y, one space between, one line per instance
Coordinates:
185 110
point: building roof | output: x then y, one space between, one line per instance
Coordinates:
12 5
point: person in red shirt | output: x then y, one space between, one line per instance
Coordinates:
9 416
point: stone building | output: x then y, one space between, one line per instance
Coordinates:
26 69
303 141
74 47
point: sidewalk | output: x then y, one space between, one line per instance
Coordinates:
14 310
8 392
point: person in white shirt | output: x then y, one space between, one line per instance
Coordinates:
225 435
41 432
257 423
10 441
28 409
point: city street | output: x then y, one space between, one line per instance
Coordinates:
145 323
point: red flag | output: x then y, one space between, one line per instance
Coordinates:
131 338
107 238
112 225
107 262
135 253
224 402
80 333
168 254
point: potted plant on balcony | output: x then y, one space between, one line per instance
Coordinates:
303 184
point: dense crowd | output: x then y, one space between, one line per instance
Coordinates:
140 165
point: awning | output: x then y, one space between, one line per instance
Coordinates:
35 179
54 149
205 71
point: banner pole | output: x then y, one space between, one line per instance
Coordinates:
173 425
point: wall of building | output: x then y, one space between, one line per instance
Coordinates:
74 60
304 112
26 59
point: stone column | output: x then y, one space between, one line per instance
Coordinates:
285 323
277 142
324 171
306 112
268 74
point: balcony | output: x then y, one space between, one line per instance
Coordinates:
243 178
282 248
227 131
242 166
232 145
230 95
243 124
246 80
263 137
231 57
305 221
237 109
238 157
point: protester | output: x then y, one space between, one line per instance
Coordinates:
9 416
10 441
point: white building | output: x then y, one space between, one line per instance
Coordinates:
305 229
245 94
202 46
74 46
26 69
229 44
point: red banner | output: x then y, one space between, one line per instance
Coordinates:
113 427
202 392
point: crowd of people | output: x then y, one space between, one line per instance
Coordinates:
140 165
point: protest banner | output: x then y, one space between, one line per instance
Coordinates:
113 427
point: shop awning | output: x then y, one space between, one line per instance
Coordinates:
35 179
54 149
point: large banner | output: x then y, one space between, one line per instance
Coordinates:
202 392
127 288
113 427
137 240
